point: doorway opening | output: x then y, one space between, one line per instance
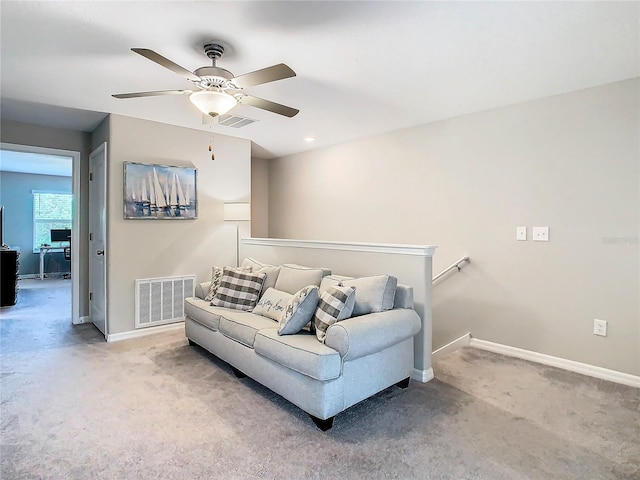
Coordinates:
27 172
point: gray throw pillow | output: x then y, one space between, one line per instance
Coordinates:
299 311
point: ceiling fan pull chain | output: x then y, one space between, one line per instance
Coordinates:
213 157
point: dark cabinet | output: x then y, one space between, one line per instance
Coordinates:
9 263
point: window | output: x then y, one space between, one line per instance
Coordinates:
50 210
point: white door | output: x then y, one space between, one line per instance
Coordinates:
97 238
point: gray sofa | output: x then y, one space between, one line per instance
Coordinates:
360 356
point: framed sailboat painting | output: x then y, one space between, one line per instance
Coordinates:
159 192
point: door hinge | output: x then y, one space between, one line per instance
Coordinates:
90 236
90 295
90 176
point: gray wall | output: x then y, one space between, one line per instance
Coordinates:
39 136
16 194
159 248
259 198
569 162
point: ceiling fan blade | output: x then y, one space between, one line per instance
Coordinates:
152 94
166 63
265 75
267 105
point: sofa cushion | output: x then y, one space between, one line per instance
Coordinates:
272 304
243 326
272 273
301 352
373 294
299 311
203 313
403 297
216 277
331 280
294 277
256 266
336 304
238 290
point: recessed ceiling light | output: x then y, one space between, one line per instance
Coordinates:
309 139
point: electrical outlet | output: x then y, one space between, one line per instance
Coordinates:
521 233
600 327
540 234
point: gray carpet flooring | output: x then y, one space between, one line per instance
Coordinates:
75 407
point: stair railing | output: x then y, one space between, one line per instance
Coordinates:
451 267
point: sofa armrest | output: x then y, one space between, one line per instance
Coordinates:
359 336
202 289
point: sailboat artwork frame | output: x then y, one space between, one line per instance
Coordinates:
159 192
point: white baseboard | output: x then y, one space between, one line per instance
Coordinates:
422 376
451 347
143 332
578 367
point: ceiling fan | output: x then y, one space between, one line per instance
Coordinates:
218 90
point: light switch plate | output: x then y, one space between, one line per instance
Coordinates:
540 234
521 233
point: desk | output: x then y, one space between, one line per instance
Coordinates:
43 251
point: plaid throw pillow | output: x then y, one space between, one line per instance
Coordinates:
336 304
216 277
238 290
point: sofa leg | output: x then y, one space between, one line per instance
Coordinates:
192 343
238 373
403 383
323 425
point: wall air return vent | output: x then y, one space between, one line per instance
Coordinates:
161 300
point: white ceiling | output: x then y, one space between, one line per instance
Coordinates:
363 68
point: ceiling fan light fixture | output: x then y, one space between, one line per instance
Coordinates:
213 102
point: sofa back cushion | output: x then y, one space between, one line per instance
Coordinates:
256 266
294 277
238 290
332 280
373 294
404 297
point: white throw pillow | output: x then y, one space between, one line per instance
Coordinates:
272 304
299 311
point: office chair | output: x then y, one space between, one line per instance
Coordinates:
67 256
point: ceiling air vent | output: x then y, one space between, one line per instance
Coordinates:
235 121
